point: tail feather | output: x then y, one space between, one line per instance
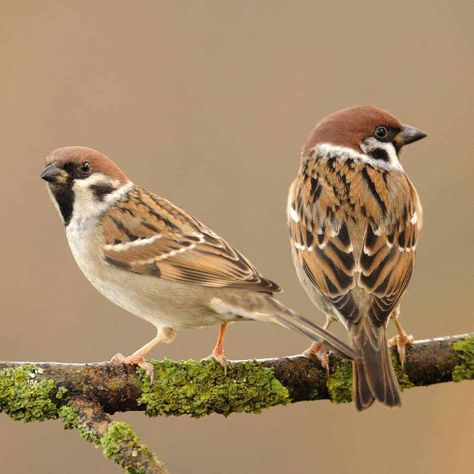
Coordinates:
362 395
374 377
291 320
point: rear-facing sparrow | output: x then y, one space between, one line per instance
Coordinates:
354 219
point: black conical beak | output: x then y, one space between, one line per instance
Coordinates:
408 135
53 174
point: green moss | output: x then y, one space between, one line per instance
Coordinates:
465 351
403 379
120 437
24 397
200 388
339 382
71 420
68 415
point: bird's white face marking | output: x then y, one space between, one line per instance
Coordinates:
325 151
82 231
370 144
87 209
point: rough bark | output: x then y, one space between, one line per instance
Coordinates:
82 395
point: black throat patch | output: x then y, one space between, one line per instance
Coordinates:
64 196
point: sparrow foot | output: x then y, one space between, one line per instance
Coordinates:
135 359
401 341
318 350
220 358
218 352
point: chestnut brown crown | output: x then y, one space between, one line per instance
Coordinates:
351 126
79 162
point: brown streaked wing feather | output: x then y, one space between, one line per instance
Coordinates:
388 257
322 244
330 198
148 235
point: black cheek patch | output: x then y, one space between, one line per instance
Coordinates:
101 190
379 154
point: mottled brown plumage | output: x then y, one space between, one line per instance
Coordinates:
185 250
354 219
157 261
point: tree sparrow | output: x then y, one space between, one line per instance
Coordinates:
354 219
155 260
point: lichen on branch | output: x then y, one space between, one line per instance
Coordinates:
465 351
200 388
118 441
82 395
25 396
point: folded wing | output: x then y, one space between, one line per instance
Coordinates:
148 235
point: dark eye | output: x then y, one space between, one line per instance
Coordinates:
381 132
85 167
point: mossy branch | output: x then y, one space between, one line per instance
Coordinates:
82 395
117 439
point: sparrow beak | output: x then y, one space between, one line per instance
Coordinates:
54 175
408 135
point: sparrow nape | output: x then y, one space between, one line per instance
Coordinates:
354 219
155 260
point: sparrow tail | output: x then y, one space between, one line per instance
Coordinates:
374 377
287 318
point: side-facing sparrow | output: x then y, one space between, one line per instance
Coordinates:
155 260
354 219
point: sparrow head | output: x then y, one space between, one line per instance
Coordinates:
81 178
364 129
70 164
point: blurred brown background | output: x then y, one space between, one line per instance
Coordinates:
208 104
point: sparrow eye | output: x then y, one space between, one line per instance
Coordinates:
85 167
381 132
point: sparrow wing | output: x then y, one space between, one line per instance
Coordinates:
146 234
388 254
321 244
322 209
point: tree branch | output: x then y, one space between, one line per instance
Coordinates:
117 439
82 394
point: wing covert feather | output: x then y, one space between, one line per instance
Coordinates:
355 227
148 235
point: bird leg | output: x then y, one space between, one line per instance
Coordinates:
402 340
318 349
218 352
138 357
